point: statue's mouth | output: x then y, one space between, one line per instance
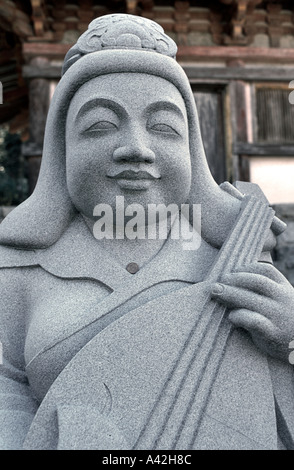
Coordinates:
135 175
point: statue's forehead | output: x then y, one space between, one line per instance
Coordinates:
137 89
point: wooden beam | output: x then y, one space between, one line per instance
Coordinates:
194 73
34 71
185 53
263 150
273 57
44 49
224 74
225 54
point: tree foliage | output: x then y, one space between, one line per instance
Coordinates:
13 180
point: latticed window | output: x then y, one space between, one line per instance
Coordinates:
271 156
275 115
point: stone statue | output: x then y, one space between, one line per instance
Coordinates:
139 342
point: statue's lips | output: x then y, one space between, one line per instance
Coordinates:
135 175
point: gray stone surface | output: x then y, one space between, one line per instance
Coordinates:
190 351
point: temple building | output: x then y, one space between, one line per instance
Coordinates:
239 58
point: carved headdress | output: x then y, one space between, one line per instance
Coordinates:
112 44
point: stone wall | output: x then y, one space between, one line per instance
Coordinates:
283 254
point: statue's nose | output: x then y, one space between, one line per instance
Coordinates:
134 153
134 148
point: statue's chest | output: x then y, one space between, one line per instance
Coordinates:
145 362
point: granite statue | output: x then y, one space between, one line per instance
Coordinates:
134 342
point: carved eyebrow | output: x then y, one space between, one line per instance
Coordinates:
165 106
102 102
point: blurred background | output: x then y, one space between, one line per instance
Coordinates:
238 55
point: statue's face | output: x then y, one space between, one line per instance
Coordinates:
127 135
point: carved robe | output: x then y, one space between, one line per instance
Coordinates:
93 346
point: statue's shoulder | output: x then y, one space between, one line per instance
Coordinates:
13 276
11 257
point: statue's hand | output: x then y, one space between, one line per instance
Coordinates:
261 300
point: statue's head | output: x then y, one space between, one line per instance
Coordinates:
127 135
127 131
122 122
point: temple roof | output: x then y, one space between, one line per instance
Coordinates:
47 28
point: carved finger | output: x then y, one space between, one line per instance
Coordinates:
254 282
265 269
255 323
236 297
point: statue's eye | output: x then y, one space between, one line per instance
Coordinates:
102 126
164 128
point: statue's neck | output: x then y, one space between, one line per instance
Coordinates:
126 250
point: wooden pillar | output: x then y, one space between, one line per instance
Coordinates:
38 109
182 17
275 20
240 96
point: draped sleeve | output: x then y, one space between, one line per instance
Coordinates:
17 404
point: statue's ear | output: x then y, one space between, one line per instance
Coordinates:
239 189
